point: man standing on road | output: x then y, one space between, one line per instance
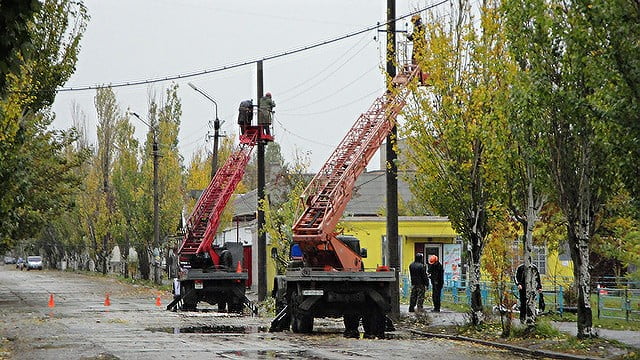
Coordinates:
419 282
436 273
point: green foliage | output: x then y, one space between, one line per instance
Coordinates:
282 208
15 39
454 130
618 234
36 165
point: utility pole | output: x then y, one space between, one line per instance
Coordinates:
156 204
262 236
392 169
216 135
216 129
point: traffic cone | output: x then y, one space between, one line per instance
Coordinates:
107 302
158 302
52 303
239 267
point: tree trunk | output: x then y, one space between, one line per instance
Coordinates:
125 256
143 263
582 279
475 249
105 253
534 206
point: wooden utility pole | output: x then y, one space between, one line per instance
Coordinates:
156 212
392 169
216 135
262 236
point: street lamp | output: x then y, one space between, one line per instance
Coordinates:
216 128
156 202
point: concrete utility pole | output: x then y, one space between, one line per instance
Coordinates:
262 236
392 169
216 129
156 204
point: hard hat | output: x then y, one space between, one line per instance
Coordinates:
433 259
268 94
415 18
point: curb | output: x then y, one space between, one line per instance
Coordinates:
514 348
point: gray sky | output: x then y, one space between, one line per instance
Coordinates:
319 93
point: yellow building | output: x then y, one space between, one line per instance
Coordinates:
424 234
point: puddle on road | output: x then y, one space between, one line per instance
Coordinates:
271 354
219 329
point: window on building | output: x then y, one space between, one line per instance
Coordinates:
538 256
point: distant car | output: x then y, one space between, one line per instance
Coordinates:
34 262
9 260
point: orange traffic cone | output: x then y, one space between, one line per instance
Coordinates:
107 302
51 302
158 302
239 267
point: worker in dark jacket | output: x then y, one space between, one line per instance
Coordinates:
522 289
245 115
265 111
419 283
436 274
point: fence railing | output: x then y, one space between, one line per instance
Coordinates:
617 302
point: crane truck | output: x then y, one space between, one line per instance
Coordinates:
330 280
207 272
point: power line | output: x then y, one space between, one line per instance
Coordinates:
248 62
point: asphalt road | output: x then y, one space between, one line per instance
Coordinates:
80 326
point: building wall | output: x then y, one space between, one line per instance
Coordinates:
419 229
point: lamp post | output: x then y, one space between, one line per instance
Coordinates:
156 203
216 129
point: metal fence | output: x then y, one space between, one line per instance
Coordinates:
620 299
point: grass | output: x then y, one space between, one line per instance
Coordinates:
543 336
602 323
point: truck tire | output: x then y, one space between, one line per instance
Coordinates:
301 321
374 323
351 323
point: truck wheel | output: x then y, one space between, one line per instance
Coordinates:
351 323
374 324
300 321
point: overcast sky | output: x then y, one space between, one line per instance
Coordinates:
319 93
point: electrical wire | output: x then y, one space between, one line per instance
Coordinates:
302 137
337 107
247 62
321 80
305 82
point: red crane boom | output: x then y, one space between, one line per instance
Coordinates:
204 220
327 195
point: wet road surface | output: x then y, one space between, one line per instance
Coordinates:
80 326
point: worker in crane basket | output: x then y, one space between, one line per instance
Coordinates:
265 112
245 115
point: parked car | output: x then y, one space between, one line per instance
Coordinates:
34 262
9 260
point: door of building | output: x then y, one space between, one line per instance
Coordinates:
431 249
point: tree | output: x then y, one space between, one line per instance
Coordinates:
164 118
556 43
127 184
36 175
454 130
108 117
283 206
15 37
